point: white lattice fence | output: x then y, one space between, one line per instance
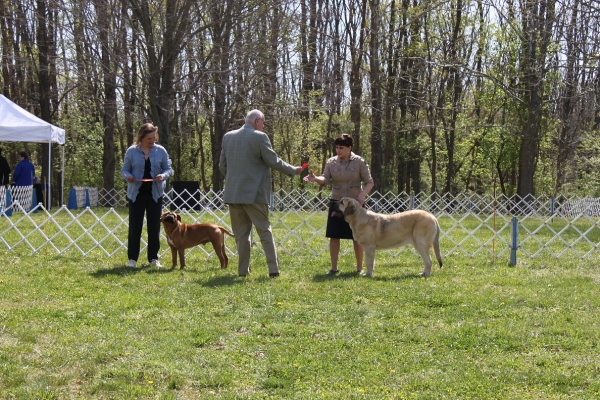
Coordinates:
16 198
82 196
472 225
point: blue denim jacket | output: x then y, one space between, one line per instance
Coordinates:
134 163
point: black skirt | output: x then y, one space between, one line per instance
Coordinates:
337 227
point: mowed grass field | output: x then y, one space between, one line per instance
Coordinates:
75 327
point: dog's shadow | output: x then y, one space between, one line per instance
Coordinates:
395 278
355 275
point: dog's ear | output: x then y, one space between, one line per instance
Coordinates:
350 208
178 217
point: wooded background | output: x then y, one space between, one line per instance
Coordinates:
440 96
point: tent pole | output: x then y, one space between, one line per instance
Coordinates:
62 176
49 194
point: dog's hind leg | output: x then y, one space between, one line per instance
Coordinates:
224 259
218 244
424 252
221 253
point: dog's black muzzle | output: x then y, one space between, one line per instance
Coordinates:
170 218
334 205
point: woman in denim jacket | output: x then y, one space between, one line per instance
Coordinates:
346 172
146 168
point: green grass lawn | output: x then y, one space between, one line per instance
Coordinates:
87 327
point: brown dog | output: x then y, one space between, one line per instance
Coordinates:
181 236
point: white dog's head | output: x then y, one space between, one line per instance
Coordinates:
348 207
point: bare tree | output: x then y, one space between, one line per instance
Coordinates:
452 76
376 96
538 18
166 28
109 45
310 24
356 11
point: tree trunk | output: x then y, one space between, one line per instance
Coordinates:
454 90
538 19
221 56
7 31
161 65
376 116
109 112
389 112
356 37
44 53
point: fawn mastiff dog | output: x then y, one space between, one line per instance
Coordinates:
181 236
378 231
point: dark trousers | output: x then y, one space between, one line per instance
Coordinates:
144 203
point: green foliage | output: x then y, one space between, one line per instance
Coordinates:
583 170
83 149
185 152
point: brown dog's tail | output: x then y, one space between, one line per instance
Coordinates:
436 245
226 231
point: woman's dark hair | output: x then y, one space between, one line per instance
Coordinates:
23 154
344 140
144 130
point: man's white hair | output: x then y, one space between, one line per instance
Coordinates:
253 115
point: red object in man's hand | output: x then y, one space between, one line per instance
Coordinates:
304 165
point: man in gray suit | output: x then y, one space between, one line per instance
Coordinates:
246 161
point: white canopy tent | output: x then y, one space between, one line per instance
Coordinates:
19 125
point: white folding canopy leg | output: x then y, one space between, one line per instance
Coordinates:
49 193
62 177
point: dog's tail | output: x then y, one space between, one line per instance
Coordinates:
436 245
226 231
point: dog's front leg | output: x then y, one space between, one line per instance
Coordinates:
173 256
370 259
181 252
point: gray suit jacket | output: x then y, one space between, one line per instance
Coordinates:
246 161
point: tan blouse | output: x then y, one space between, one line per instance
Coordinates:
346 176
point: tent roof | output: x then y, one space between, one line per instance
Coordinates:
19 125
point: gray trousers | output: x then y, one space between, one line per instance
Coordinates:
243 216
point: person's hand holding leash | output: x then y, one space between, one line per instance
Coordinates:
361 198
310 177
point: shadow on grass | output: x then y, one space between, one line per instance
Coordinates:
355 275
123 270
402 277
227 280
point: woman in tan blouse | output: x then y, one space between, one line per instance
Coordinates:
346 172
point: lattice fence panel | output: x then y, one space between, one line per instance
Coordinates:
471 224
